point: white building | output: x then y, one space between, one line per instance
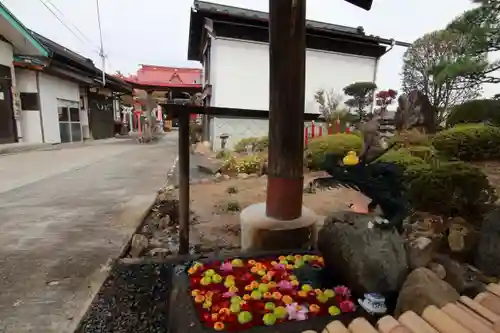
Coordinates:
232 45
46 90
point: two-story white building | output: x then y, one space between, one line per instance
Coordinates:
232 45
49 94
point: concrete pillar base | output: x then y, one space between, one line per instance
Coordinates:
262 233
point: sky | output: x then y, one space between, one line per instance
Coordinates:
155 32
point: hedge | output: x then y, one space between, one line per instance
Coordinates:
338 144
469 142
450 189
475 111
258 143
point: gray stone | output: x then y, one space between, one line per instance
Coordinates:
423 288
420 252
208 165
218 177
367 259
138 244
438 270
242 176
487 257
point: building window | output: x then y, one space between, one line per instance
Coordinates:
29 101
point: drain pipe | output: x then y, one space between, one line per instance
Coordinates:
393 43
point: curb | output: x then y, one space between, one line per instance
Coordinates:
133 214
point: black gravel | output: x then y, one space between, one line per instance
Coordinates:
133 299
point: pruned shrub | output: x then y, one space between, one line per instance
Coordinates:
244 164
450 189
258 144
469 142
338 144
475 111
401 157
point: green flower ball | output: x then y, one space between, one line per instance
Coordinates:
269 319
244 317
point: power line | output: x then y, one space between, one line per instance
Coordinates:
74 26
61 21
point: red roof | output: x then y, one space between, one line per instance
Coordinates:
160 76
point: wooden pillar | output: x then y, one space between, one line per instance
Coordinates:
287 52
184 153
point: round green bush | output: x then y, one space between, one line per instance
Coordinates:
259 144
401 157
469 142
338 144
475 111
450 189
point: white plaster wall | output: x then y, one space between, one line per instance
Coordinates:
239 75
84 113
51 90
26 80
30 119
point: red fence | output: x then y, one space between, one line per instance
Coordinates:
316 130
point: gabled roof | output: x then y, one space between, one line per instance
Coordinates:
20 37
203 9
161 76
59 50
69 60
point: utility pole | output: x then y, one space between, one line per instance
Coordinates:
101 50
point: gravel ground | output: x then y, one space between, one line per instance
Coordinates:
133 299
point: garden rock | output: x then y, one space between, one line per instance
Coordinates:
366 259
423 288
456 274
138 244
438 270
420 252
209 166
462 237
242 176
487 257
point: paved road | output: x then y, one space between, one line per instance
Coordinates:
60 224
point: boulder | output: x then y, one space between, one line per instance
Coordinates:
423 288
420 252
487 257
366 259
462 238
138 245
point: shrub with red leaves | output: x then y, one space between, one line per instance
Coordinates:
385 98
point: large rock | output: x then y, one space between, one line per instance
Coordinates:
423 288
488 251
462 238
367 260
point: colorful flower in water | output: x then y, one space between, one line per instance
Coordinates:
347 306
226 267
296 312
284 285
280 267
228 294
342 291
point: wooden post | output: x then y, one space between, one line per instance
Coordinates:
287 52
184 153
